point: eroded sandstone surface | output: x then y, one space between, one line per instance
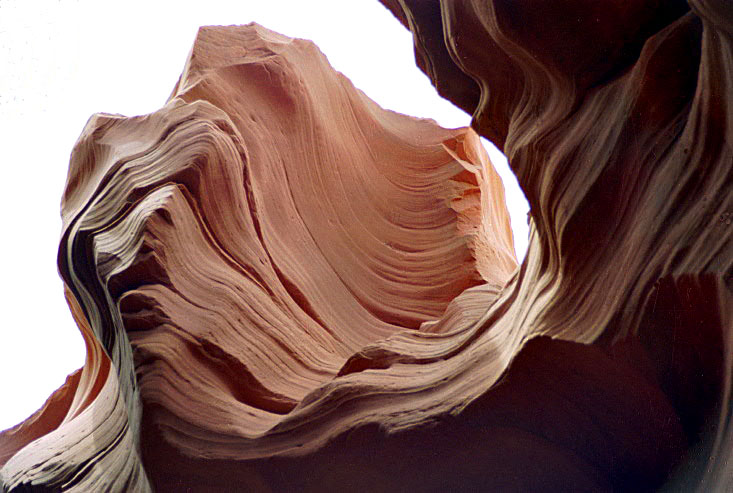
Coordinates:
616 119
284 287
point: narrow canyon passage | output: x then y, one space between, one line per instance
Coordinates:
284 287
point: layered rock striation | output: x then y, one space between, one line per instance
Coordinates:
238 260
284 287
616 119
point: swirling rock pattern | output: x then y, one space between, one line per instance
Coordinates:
236 257
616 119
284 287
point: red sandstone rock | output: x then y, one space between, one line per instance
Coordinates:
616 119
234 252
284 287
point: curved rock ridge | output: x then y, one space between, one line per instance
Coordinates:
267 262
617 119
285 288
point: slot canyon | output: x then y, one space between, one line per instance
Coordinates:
283 286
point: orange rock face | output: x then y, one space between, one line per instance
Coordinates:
242 256
284 287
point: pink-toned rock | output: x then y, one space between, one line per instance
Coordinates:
284 287
616 119
231 253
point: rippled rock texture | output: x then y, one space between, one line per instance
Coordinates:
284 287
617 118
241 259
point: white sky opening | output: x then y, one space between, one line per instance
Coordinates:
63 60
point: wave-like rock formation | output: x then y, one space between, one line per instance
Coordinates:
283 287
238 261
617 118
